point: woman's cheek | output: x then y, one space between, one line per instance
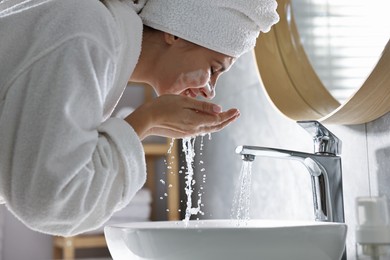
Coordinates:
194 79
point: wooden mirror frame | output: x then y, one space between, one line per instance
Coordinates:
295 89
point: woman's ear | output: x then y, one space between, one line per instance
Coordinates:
170 38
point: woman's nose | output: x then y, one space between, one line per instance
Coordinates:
208 91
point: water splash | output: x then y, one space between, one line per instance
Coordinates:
171 145
189 152
242 195
169 167
203 170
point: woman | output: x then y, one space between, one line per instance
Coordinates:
65 165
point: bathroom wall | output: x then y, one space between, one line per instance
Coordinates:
281 189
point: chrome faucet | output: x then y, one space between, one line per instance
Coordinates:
324 166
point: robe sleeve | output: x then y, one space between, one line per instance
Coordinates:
64 171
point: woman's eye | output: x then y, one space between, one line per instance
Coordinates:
213 70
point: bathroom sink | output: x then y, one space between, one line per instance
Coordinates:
227 240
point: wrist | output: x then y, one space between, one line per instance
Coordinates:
140 120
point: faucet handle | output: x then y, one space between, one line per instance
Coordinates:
325 142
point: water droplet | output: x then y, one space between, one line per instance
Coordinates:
171 145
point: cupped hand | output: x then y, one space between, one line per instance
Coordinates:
178 117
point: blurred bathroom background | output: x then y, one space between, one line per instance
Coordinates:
281 189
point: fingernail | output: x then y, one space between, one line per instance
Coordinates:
217 109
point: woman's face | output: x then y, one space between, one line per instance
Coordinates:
191 70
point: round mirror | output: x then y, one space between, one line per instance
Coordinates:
343 40
295 86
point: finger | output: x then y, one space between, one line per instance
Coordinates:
225 116
209 123
167 132
229 114
216 128
205 107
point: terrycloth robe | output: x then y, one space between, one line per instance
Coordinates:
65 165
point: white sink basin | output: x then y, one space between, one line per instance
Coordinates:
227 239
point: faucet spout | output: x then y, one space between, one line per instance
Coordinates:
325 172
324 166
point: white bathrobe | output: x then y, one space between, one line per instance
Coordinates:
65 165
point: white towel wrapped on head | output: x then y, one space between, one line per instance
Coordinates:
226 26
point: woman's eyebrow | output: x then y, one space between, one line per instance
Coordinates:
223 66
